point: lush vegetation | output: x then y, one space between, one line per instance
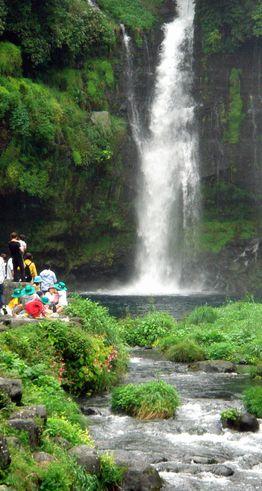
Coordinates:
227 25
231 332
150 400
253 401
59 66
53 360
144 331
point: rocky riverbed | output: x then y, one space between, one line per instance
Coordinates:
191 451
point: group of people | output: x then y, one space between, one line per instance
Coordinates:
43 296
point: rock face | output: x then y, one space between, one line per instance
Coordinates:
86 457
5 458
245 422
31 412
13 387
139 475
31 427
215 366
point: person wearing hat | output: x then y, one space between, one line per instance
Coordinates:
52 295
15 299
37 283
28 295
35 308
62 296
46 302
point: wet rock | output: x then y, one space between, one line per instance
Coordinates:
30 412
13 387
222 470
204 460
245 422
33 429
86 457
43 458
62 442
5 458
90 411
214 366
138 475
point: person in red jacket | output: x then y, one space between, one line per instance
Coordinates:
35 309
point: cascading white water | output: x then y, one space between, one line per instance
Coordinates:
168 199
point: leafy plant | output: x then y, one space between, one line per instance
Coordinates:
202 315
111 475
253 401
70 431
231 414
146 401
185 351
145 331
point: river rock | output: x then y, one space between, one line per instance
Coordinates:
86 457
90 411
5 458
30 412
138 475
13 387
197 459
222 470
33 429
43 458
215 366
245 422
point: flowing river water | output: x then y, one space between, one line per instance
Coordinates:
191 451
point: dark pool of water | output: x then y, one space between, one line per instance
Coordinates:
177 305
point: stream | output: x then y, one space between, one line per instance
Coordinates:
190 451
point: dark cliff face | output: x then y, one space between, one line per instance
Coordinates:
229 113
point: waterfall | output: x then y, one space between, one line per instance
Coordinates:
133 110
168 199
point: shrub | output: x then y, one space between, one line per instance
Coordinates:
110 475
146 330
256 371
231 414
10 59
185 351
203 314
65 429
146 401
220 351
253 401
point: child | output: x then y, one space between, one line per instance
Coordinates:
62 296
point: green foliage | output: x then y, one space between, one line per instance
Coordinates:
203 314
256 371
227 25
10 59
150 400
215 234
146 330
234 335
66 29
185 351
70 431
230 414
110 474
253 401
135 14
235 114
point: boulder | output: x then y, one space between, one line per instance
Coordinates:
43 458
138 474
90 411
222 470
244 422
214 366
5 458
13 387
33 429
62 442
30 412
86 457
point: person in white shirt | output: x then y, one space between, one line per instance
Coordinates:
48 278
62 293
2 279
23 244
9 269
